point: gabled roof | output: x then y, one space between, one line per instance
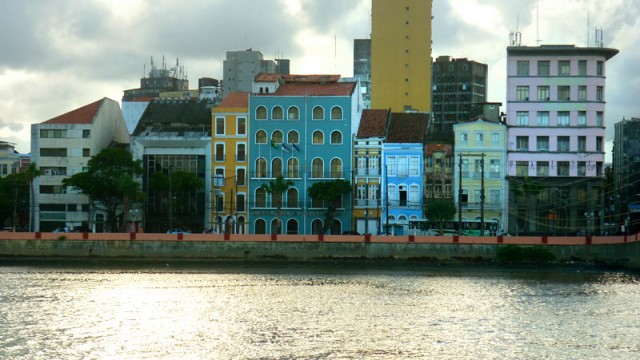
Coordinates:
407 127
373 123
234 100
82 115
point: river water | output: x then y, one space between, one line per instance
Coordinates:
316 311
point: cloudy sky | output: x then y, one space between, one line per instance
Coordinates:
58 55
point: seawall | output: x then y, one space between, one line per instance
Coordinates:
616 250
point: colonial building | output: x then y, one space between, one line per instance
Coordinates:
62 147
301 129
9 159
556 120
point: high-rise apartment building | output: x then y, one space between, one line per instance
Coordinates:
401 55
458 84
362 68
241 67
626 175
556 121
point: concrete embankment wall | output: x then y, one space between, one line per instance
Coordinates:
622 251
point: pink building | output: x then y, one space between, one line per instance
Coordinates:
555 149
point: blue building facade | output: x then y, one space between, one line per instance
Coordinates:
301 128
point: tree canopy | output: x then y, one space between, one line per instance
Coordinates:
276 188
440 212
329 192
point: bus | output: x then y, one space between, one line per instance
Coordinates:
470 227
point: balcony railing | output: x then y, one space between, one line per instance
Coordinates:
367 171
367 202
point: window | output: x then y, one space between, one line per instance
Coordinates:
599 118
522 143
336 168
542 169
293 171
336 113
563 168
600 68
543 68
261 197
318 113
403 166
293 113
543 93
582 67
414 197
564 67
260 226
240 176
276 167
563 143
564 93
479 138
414 166
582 118
464 138
542 143
261 113
542 118
495 138
582 93
240 202
293 137
241 152
599 142
522 93
292 198
522 168
494 168
582 168
563 118
392 165
523 68
318 138
261 137
599 93
336 138
53 133
276 137
522 118
220 126
277 113
582 143
242 126
317 168
261 168
86 152
86 134
316 226
599 168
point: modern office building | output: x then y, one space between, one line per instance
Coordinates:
362 68
624 201
62 147
401 55
556 120
458 84
241 67
302 129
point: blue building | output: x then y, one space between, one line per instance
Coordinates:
403 167
301 127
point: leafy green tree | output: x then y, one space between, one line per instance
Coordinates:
525 189
13 189
440 212
109 182
329 192
276 188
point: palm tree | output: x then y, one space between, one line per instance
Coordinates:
276 188
32 172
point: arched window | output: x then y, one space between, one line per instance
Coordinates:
293 171
261 168
336 113
276 137
276 167
402 219
318 137
261 198
336 227
316 226
260 226
292 227
336 168
274 227
293 137
277 113
261 137
336 137
318 113
317 168
293 114
241 225
392 219
261 113
292 198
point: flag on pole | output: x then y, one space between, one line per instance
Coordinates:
286 148
275 145
295 147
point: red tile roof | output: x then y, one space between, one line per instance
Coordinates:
373 123
83 115
407 127
235 100
322 78
316 89
263 77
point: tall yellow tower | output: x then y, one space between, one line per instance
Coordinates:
401 55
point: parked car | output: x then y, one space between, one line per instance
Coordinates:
350 232
178 231
61 230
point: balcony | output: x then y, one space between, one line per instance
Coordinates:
367 203
367 172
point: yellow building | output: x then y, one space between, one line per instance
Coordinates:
401 55
230 124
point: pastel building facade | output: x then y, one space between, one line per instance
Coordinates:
556 109
301 129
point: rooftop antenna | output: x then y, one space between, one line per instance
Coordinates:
335 53
588 26
515 37
599 38
538 41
